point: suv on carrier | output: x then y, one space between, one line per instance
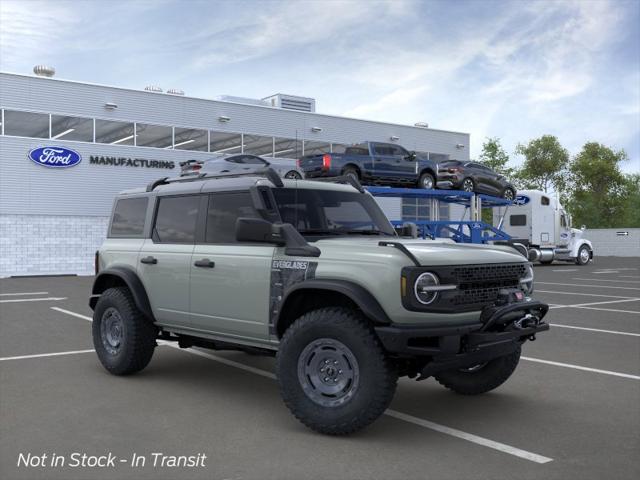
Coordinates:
313 273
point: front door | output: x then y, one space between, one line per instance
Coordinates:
230 282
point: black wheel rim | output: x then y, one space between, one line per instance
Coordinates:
467 185
293 175
111 330
328 372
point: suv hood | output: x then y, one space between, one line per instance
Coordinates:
428 252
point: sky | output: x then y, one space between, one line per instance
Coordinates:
509 69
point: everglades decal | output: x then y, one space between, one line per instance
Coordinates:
285 274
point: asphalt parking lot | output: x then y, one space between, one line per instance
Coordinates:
571 410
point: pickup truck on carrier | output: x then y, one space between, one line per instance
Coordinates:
372 163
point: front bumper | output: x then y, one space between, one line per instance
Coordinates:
500 332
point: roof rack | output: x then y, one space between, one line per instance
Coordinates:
342 179
269 173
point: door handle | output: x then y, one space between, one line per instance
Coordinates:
149 260
205 263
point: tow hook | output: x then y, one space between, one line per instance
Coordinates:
532 338
527 321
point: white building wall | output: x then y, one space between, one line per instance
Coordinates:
613 242
49 245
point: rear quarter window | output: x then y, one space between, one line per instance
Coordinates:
128 217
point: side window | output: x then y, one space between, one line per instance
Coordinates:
544 200
224 210
518 220
563 221
128 217
383 150
176 219
398 151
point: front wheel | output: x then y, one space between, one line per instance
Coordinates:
123 337
584 255
480 378
426 181
333 374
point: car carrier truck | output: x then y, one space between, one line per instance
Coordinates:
536 221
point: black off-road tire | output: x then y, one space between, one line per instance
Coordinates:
377 378
137 337
425 180
474 382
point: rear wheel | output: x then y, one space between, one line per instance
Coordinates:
333 374
123 337
426 181
468 185
584 255
293 175
508 194
480 378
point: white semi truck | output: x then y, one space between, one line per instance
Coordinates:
536 221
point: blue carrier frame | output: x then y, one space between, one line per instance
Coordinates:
461 231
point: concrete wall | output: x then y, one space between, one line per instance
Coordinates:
609 242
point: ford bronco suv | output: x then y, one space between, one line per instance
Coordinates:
313 273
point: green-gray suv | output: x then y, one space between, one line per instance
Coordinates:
313 273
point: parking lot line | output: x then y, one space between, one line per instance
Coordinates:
606 280
580 367
39 355
73 314
23 293
44 299
595 330
611 310
582 294
629 276
591 286
567 270
577 305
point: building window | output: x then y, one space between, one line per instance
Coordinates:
316 148
114 133
71 128
287 148
419 209
191 139
157 136
26 124
224 142
258 145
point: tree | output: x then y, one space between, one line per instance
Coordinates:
630 215
495 157
545 164
599 192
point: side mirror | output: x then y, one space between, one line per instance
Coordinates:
256 230
408 229
411 157
281 234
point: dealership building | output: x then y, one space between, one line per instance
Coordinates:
52 219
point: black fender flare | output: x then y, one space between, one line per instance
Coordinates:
430 170
131 280
356 293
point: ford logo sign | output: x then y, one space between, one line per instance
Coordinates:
521 200
55 157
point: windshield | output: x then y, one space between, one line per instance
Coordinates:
327 212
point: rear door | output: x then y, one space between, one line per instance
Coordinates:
230 281
164 262
383 161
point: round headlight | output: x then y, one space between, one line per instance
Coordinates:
526 282
422 290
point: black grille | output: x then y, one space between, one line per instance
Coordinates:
478 285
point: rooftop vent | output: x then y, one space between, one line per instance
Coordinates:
245 100
421 124
175 91
44 71
291 102
153 88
